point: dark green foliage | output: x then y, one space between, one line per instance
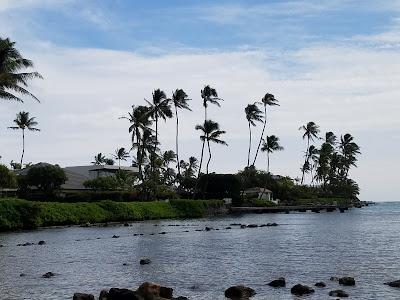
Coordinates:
101 183
45 177
22 214
219 186
7 178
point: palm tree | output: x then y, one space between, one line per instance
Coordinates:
121 154
180 100
23 122
313 157
11 77
253 115
99 159
140 122
349 150
267 100
311 131
210 133
270 145
209 95
160 107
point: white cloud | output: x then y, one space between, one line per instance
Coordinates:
86 90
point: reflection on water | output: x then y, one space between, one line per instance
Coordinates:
305 248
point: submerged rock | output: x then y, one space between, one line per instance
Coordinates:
22 275
115 236
48 275
209 228
243 226
239 292
82 296
320 284
228 227
252 226
395 283
126 224
334 278
300 290
41 243
347 281
272 224
280 282
145 261
338 293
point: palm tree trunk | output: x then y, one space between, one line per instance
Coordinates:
305 161
268 162
262 134
138 155
201 159
209 155
177 143
23 146
155 145
248 154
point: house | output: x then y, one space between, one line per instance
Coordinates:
77 175
259 193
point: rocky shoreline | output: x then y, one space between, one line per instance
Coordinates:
153 291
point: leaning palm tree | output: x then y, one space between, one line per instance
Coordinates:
267 100
160 107
311 131
13 77
121 154
270 145
140 122
24 122
349 150
99 159
253 115
209 95
210 133
180 100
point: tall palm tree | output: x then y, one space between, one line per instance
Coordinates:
180 100
311 131
140 122
313 158
267 100
13 77
349 150
121 154
253 115
24 122
99 159
160 107
270 145
209 95
210 133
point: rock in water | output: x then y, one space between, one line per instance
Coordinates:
103 295
252 226
239 292
395 283
320 284
149 290
122 294
338 293
300 290
145 261
41 243
348 281
81 296
280 282
48 275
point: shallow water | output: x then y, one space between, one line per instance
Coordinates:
305 248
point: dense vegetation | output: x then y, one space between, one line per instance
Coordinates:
22 214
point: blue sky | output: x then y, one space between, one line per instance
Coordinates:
334 62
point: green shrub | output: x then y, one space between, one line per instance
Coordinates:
8 178
45 177
219 186
17 214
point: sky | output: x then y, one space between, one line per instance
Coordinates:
334 62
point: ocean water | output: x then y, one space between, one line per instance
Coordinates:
305 248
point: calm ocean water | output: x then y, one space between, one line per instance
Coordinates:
305 248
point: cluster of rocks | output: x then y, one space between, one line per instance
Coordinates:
146 291
31 244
